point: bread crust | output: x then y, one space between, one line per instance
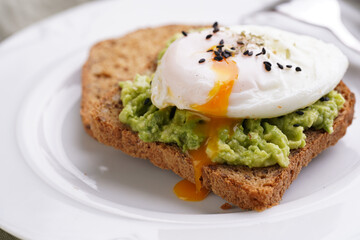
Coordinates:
248 188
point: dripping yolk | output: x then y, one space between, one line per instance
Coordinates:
202 156
186 190
226 73
189 191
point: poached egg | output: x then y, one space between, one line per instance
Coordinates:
246 72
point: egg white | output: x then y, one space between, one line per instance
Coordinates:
181 81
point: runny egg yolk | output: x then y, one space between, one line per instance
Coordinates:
226 72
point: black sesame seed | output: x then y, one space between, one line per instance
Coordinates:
267 63
263 51
216 30
324 99
220 46
267 66
209 36
250 53
297 69
289 66
246 52
202 60
226 54
300 112
147 101
240 42
296 125
233 48
184 33
221 41
215 25
217 53
280 66
210 50
218 58
258 54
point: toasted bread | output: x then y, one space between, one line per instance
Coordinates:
120 59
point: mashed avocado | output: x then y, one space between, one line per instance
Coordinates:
169 125
252 142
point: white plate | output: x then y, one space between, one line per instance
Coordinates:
58 183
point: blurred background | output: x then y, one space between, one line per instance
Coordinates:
17 14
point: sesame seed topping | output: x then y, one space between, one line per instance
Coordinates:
210 50
267 63
267 66
218 58
280 66
220 46
215 27
184 33
289 66
263 51
250 53
296 125
209 36
298 69
324 99
300 112
202 60
217 53
232 48
226 54
246 52
240 42
221 41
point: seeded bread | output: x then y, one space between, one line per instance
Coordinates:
120 59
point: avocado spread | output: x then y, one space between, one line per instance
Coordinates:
251 142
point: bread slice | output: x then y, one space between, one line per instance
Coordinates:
116 60
120 59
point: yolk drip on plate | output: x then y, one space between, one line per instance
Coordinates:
216 108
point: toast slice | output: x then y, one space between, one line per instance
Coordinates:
120 59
